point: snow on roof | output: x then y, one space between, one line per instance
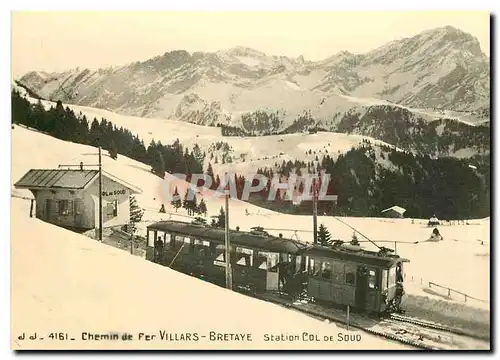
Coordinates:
65 179
397 209
71 283
56 178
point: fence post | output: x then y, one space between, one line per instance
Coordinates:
449 292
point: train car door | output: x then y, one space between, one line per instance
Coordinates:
272 276
361 287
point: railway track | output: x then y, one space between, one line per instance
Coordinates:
435 326
414 332
408 331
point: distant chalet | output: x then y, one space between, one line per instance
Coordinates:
394 212
70 198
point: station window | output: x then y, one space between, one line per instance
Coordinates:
372 279
114 206
66 207
326 270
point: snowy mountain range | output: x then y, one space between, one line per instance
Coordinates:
438 75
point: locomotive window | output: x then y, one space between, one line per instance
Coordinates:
371 279
392 277
338 272
350 274
326 270
317 268
349 278
310 271
384 279
151 237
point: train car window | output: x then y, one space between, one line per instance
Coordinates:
372 279
151 237
272 262
326 270
310 271
167 237
188 244
220 259
317 268
198 247
244 256
338 272
262 263
213 249
350 274
384 279
392 277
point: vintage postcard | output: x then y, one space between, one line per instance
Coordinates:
250 180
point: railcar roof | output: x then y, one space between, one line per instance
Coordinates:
242 238
361 257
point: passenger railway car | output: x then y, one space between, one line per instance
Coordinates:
342 274
347 275
199 250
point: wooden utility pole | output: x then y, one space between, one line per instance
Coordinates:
315 189
229 273
100 195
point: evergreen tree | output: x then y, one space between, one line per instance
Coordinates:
136 214
113 151
176 200
324 237
158 166
221 218
210 174
202 207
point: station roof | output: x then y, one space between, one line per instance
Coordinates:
69 179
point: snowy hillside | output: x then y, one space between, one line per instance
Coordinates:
440 69
467 245
246 154
62 282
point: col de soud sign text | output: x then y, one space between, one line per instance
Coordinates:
114 192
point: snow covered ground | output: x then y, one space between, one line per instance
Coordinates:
461 261
68 283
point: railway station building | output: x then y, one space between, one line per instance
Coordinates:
70 198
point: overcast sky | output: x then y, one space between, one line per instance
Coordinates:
56 41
